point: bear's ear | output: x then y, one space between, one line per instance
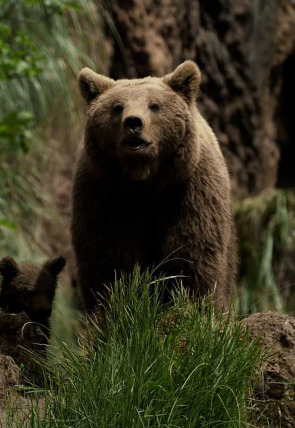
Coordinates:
8 268
185 80
55 266
92 84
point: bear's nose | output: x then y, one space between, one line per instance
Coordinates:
134 123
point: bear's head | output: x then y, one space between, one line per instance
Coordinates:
142 125
29 287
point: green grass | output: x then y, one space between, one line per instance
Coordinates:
150 366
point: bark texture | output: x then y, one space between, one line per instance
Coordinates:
246 51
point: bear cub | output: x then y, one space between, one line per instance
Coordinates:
30 288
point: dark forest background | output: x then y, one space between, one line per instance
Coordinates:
246 52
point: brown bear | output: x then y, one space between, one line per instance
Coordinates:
30 288
151 185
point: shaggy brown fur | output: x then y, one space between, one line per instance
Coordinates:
29 288
150 189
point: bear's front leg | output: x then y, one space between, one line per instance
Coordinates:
196 236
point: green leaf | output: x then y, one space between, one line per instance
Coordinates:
8 224
15 131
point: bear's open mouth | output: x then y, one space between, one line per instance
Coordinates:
135 143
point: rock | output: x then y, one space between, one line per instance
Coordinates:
14 405
9 375
9 378
246 51
274 402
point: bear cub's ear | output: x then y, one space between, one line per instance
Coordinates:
92 84
185 80
8 268
55 266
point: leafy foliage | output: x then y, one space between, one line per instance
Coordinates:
20 56
38 54
15 131
42 48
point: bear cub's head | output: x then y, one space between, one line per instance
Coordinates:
141 124
29 287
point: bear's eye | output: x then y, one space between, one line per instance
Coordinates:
155 106
118 108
